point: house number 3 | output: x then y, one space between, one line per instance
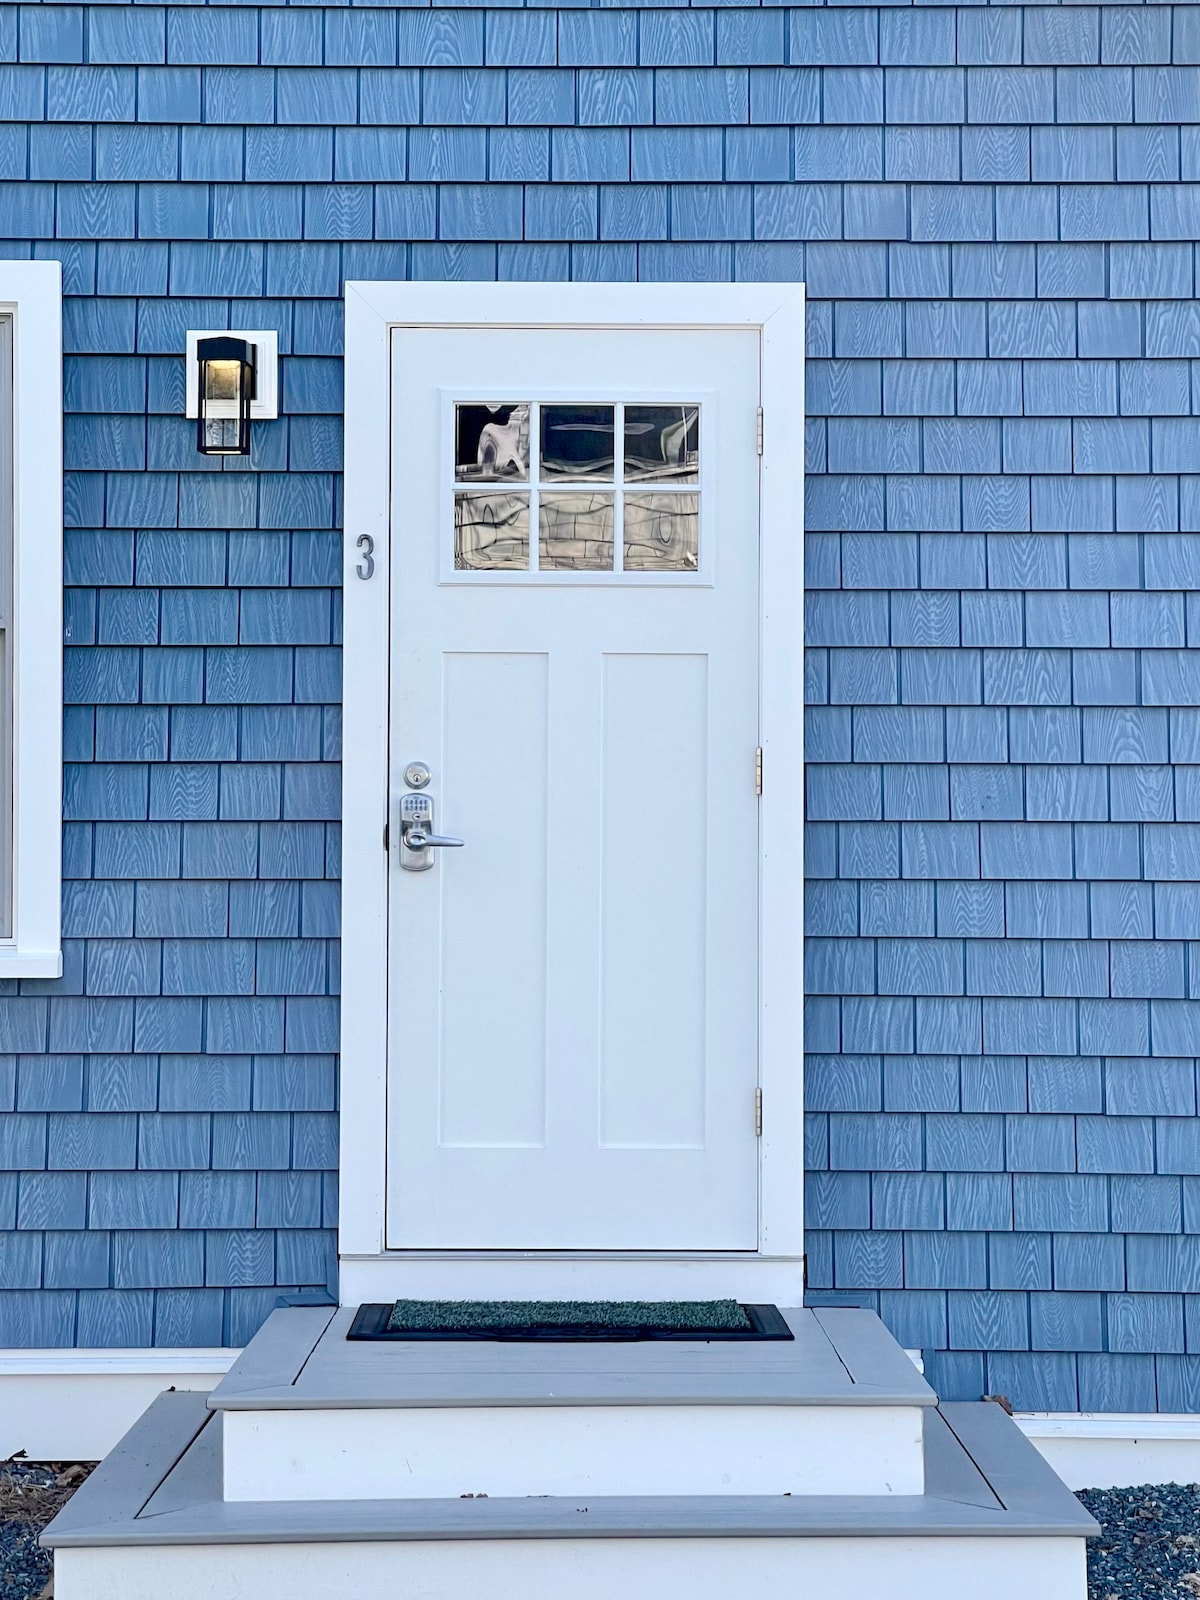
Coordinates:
366 567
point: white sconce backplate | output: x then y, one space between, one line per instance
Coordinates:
265 405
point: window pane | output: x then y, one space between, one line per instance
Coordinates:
662 532
491 531
577 442
662 443
575 532
491 442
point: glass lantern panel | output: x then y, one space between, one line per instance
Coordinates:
223 436
222 380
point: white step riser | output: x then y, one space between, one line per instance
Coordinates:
444 1452
598 1569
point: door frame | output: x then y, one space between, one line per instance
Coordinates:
373 310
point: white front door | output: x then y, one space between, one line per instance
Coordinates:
573 993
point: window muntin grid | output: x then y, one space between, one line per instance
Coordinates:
579 486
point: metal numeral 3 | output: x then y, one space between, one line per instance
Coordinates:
366 567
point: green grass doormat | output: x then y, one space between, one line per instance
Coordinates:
564 1321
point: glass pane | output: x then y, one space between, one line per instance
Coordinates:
491 531
222 380
662 443
575 532
223 436
577 442
491 442
662 532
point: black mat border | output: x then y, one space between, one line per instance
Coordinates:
370 1325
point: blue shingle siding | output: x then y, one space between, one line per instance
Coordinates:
995 211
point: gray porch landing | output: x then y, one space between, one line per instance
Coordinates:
301 1360
307 1415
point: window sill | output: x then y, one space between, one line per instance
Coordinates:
16 963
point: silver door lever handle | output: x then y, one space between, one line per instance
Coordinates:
417 839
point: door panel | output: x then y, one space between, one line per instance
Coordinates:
573 994
653 901
493 957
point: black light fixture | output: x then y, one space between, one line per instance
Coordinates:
226 388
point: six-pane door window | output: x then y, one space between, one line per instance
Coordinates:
545 487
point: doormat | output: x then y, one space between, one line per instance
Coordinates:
566 1321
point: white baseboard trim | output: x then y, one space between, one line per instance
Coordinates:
1109 1450
73 1405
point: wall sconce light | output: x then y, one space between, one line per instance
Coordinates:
232 380
226 386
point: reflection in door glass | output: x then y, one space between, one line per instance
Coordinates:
491 531
662 532
598 485
575 532
662 443
577 442
491 442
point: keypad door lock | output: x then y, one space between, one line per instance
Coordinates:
417 838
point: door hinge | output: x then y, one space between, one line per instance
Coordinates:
387 836
758 1113
758 769
758 430
804 1271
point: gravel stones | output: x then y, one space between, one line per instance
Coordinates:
1150 1546
30 1494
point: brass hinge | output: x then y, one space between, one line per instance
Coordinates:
758 770
758 1113
758 430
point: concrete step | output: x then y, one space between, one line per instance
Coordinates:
993 1521
309 1415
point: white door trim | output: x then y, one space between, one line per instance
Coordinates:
372 309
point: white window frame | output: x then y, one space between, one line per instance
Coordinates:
373 310
31 294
